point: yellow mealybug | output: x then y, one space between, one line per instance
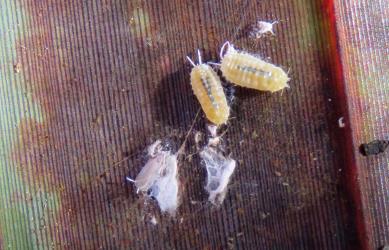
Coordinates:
207 88
249 71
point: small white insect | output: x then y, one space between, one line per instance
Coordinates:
159 178
262 28
219 171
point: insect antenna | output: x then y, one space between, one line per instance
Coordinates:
199 56
222 49
190 60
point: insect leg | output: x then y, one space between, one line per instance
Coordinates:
212 63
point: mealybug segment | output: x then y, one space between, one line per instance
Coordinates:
249 71
207 88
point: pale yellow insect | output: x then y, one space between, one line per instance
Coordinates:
207 88
249 71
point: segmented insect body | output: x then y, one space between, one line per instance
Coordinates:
249 71
207 88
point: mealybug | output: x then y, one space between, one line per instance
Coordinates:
249 71
262 28
207 88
